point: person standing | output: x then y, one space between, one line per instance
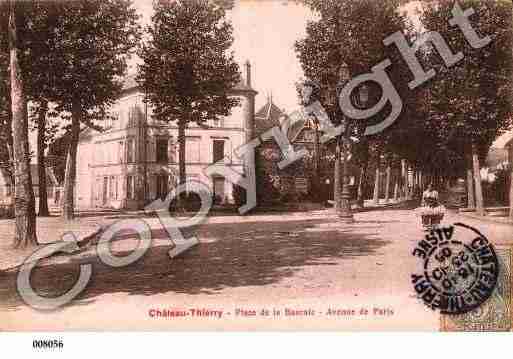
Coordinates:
430 196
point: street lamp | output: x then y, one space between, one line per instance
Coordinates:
342 196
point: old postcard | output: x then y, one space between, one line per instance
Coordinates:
272 165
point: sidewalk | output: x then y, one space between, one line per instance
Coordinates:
287 260
49 230
499 233
487 218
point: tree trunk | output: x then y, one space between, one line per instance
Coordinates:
404 184
477 182
511 150
396 188
421 182
511 189
360 200
337 179
182 176
361 183
387 184
377 181
316 159
181 153
24 202
68 206
41 165
471 202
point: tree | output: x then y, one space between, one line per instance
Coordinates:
377 179
5 87
74 56
34 35
187 71
469 102
511 150
24 205
40 71
341 38
41 116
90 44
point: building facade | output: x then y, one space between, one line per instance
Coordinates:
135 160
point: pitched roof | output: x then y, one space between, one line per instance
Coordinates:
268 116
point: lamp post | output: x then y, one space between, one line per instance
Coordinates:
342 195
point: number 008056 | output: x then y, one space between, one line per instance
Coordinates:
48 344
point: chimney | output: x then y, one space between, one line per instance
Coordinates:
248 73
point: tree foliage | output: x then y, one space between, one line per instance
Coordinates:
470 102
188 71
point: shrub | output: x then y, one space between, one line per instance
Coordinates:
239 195
191 202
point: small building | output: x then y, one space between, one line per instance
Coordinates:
52 185
295 183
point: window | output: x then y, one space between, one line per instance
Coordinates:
134 115
97 193
219 189
172 150
162 186
162 150
190 177
217 122
218 150
112 120
112 187
130 151
130 187
115 119
107 123
105 192
120 151
192 149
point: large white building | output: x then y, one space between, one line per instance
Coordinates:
137 157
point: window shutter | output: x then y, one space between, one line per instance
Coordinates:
152 179
171 150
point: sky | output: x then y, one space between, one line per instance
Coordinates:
264 33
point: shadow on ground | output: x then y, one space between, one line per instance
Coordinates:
232 255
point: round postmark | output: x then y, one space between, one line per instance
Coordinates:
459 269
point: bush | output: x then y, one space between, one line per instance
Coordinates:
6 211
497 192
239 195
190 202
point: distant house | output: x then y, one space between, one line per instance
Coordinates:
296 180
52 185
496 160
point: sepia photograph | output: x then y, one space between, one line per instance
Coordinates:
255 165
